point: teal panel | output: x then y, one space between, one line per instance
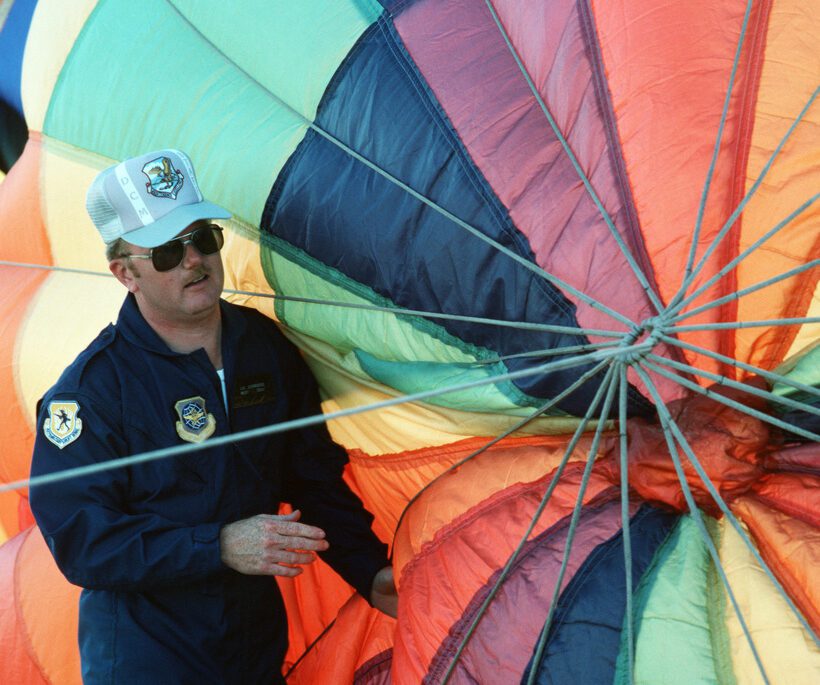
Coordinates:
292 48
173 87
382 346
680 637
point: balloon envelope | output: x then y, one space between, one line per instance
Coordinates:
489 207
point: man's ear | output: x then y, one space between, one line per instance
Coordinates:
124 274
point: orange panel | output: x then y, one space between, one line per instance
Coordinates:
360 638
48 606
23 239
789 77
668 70
18 663
512 461
790 548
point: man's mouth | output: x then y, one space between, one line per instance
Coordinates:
197 280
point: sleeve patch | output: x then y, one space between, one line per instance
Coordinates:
63 426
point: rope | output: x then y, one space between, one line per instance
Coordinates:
808 266
653 298
398 311
729 383
576 515
674 305
799 320
789 427
763 373
579 431
623 453
674 430
732 264
718 139
294 424
667 421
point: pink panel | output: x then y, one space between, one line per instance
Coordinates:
463 56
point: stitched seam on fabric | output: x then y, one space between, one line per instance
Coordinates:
787 508
439 118
450 645
374 666
302 259
496 500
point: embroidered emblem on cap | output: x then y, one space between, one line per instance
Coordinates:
195 423
163 179
63 426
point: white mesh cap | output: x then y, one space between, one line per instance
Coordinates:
149 199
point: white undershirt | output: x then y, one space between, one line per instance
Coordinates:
221 374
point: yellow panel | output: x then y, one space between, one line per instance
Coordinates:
789 77
243 268
408 426
67 314
54 28
787 652
70 308
810 333
67 172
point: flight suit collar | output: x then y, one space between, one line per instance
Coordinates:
133 326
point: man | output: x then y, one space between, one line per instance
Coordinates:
177 556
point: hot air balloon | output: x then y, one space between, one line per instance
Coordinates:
555 268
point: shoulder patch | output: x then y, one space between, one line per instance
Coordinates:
63 426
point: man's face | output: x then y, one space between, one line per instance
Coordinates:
187 293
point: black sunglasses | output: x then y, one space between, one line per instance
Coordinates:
207 239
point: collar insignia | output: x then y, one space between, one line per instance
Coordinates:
62 427
195 423
163 179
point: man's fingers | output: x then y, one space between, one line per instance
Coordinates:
291 557
297 543
276 524
271 545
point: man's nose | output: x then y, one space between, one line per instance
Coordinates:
191 256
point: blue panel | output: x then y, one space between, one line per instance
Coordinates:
585 635
351 218
12 42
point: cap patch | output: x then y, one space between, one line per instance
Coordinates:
195 423
63 426
163 179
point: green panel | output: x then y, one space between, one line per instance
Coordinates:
173 88
679 633
408 353
803 368
291 47
414 377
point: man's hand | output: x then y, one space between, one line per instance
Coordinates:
383 594
268 545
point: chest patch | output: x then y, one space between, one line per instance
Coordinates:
63 426
253 390
195 423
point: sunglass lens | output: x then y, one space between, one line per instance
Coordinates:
208 239
168 255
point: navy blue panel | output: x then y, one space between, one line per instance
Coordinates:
585 636
13 136
348 216
12 41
